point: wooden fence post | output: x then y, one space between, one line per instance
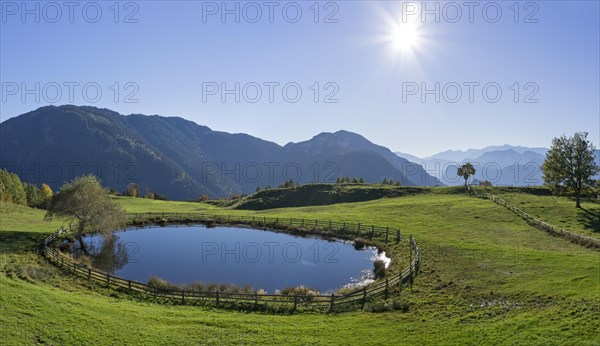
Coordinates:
129 284
364 300
386 288
410 264
89 273
182 297
217 295
411 276
295 301
400 281
255 298
387 231
332 302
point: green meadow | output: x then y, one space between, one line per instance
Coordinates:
487 277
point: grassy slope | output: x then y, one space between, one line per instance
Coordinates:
558 211
487 278
318 194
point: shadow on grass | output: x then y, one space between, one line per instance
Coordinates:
19 241
590 219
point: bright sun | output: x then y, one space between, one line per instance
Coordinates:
405 36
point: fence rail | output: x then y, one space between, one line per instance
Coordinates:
357 298
539 224
342 229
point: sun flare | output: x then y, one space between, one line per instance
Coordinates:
404 36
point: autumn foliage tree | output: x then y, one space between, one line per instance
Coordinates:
45 196
133 190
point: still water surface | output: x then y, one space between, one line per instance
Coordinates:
232 255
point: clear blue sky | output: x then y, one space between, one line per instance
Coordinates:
175 47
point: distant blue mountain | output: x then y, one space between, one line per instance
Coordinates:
460 155
502 165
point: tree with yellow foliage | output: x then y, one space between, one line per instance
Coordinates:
45 195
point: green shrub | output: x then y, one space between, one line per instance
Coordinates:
394 305
31 272
196 287
360 243
159 197
162 284
379 269
300 290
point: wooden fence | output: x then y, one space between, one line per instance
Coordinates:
539 224
356 299
347 230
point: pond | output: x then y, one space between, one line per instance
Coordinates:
232 255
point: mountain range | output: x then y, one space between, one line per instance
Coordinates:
501 165
181 159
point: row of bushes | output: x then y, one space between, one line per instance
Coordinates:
165 285
133 190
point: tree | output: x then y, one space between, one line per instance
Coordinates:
45 196
133 190
11 188
85 201
33 194
160 197
569 166
466 171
